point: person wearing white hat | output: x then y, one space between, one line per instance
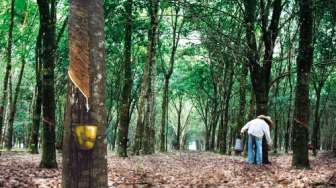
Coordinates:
257 128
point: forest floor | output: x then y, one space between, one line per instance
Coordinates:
178 169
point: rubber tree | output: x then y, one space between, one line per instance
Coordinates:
260 68
8 67
47 13
85 167
303 66
145 131
127 87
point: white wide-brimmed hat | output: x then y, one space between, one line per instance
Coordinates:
267 119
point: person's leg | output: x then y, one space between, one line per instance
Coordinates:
250 155
254 149
259 151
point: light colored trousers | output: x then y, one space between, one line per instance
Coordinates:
254 153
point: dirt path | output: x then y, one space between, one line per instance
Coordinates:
188 169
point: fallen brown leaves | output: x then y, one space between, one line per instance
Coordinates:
187 169
213 170
21 170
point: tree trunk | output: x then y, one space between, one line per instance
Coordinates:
227 97
139 130
214 118
12 109
289 61
149 120
86 168
179 124
164 115
276 118
288 124
304 64
316 130
47 12
8 68
242 98
115 129
167 75
213 124
220 140
250 115
207 138
33 141
261 74
126 93
9 132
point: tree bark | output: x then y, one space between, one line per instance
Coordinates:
214 118
288 124
34 136
149 119
178 109
126 93
304 64
164 115
47 10
242 98
316 129
12 108
86 168
8 67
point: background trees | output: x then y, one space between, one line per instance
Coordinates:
211 65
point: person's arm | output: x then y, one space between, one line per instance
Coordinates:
268 135
245 128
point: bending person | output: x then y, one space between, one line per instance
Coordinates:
257 128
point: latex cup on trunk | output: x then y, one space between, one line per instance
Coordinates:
86 135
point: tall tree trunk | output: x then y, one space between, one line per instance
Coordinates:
12 108
140 121
242 98
214 116
276 121
86 168
304 64
165 99
34 136
288 123
8 67
226 102
115 131
316 129
164 115
242 102
149 120
250 115
8 109
126 93
139 130
220 140
207 138
178 108
47 10
261 74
